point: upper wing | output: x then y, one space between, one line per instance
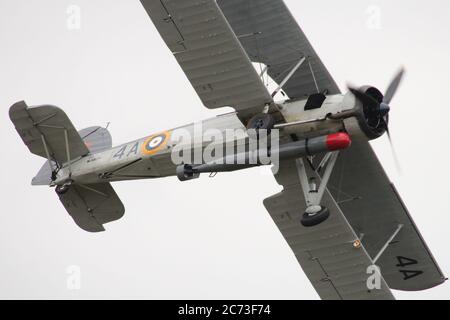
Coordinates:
270 34
47 123
374 209
336 268
209 53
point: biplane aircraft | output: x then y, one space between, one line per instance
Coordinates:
337 224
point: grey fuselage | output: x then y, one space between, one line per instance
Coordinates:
131 161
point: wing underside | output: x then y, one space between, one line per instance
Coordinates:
215 42
336 268
209 53
375 211
270 35
372 213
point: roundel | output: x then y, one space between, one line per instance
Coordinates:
155 143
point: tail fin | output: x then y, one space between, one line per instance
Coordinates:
96 139
44 175
48 132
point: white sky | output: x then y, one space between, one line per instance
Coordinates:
210 238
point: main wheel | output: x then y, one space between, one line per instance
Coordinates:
313 219
60 190
261 121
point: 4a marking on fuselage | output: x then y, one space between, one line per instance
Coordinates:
150 146
122 152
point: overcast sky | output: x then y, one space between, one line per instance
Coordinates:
210 238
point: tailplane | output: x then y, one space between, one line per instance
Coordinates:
48 132
91 206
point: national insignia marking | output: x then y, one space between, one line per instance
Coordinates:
155 143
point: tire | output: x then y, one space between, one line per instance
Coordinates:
311 220
60 190
261 121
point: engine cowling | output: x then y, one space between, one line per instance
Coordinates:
371 121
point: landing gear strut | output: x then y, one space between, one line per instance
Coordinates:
315 213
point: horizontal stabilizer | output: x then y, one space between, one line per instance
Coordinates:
47 131
91 206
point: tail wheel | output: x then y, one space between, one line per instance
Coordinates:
316 218
60 190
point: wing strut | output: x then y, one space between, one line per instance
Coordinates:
66 138
380 253
313 76
47 153
289 76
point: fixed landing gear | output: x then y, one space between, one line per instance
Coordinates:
315 212
315 215
262 121
60 190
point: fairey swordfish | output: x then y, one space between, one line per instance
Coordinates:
342 217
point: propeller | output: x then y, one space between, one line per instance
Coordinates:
393 87
377 112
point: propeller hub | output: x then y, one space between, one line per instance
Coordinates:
376 108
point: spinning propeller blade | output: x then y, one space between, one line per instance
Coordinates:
393 86
382 109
